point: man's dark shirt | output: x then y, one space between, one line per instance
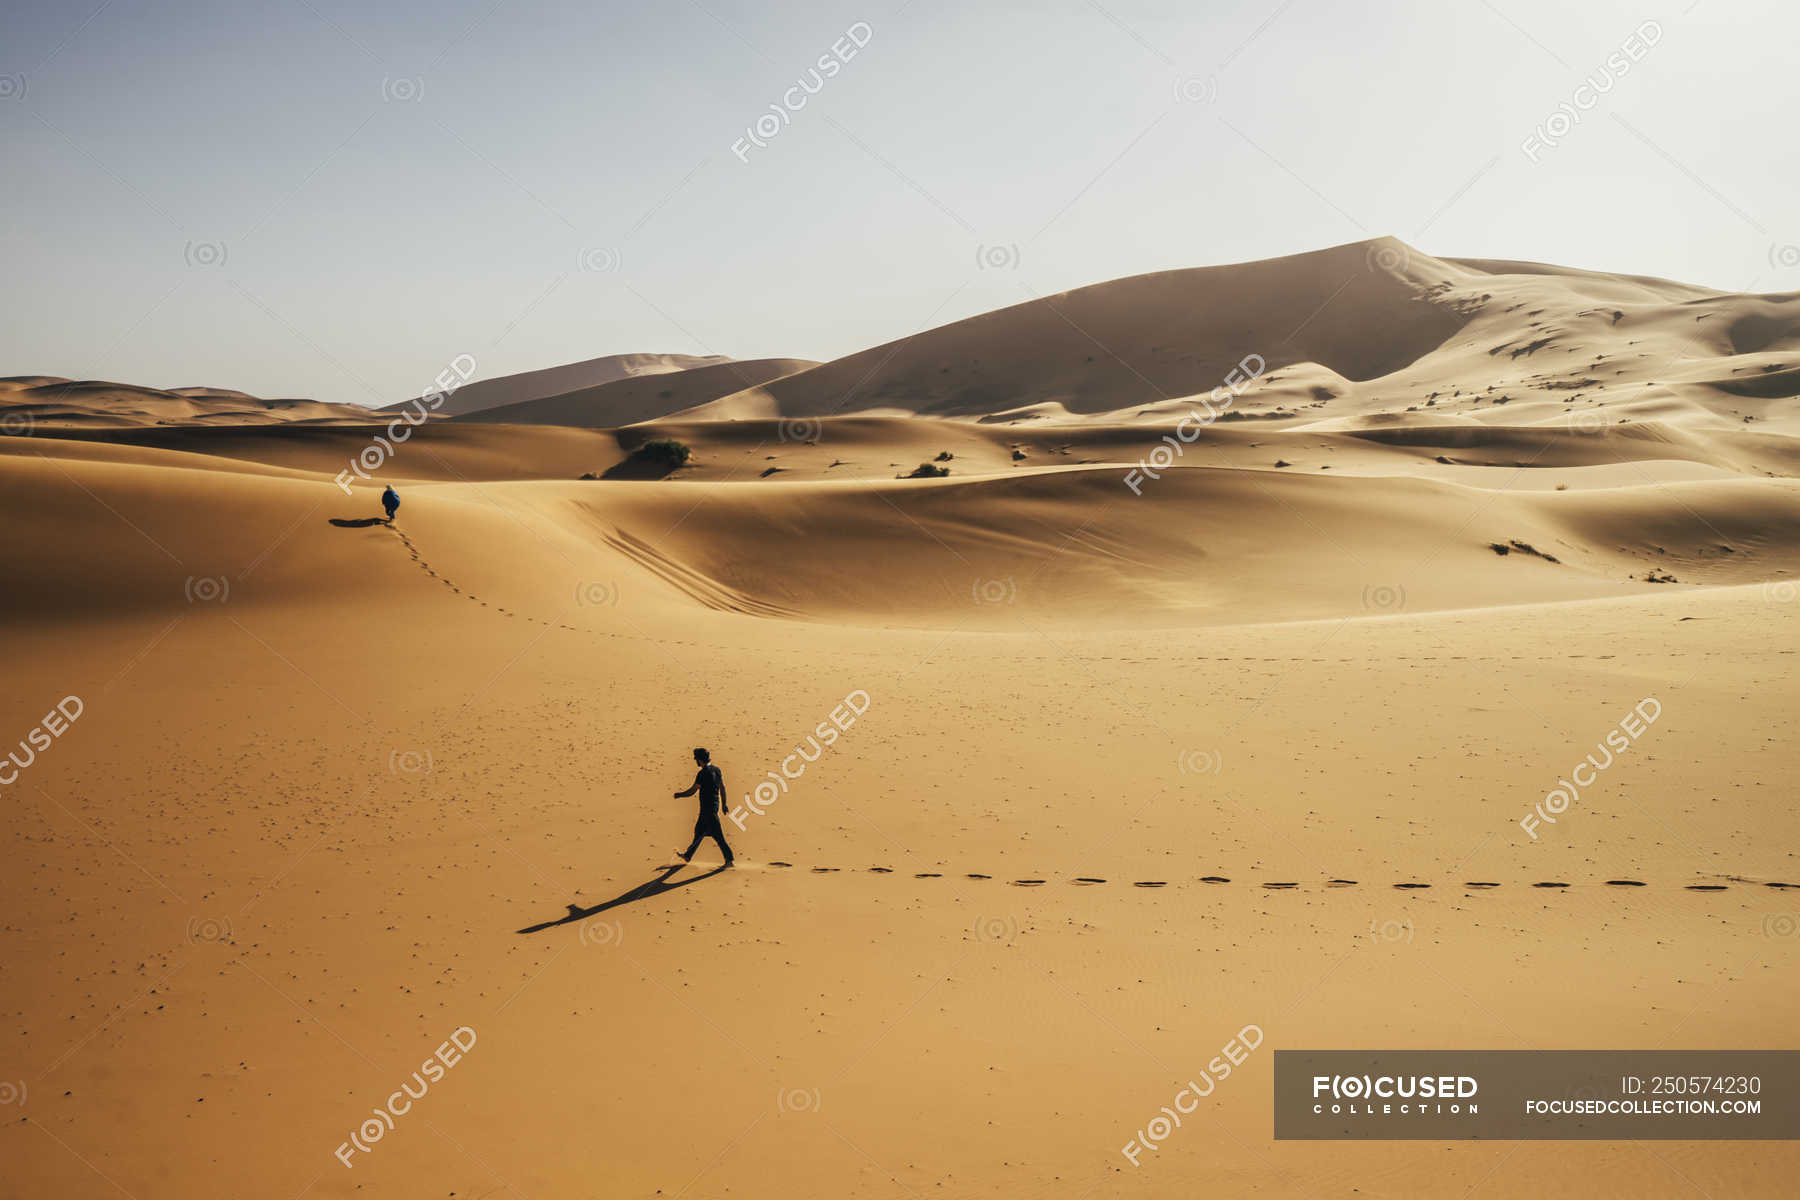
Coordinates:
712 786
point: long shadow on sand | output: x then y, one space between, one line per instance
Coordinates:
642 891
358 523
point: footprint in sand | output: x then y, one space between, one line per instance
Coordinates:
1781 885
1086 879
1214 879
1340 883
1280 885
823 870
1149 883
1550 884
882 870
1705 887
928 875
1410 886
1027 882
974 876
1624 883
1478 883
780 864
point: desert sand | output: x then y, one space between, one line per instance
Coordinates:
1135 766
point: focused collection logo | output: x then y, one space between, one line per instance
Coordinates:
1394 1095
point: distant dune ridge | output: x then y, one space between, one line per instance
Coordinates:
1351 335
557 381
28 401
1446 402
642 397
1347 333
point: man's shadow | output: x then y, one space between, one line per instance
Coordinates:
642 891
357 523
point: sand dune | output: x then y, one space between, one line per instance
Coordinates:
558 381
29 402
1245 739
1368 328
1069 546
641 397
1142 340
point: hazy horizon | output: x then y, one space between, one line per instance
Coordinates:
315 200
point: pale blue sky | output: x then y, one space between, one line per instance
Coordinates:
395 184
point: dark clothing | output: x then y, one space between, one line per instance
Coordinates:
390 500
710 783
708 827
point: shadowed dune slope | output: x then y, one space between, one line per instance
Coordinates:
556 381
641 397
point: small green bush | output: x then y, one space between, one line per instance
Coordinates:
927 471
665 452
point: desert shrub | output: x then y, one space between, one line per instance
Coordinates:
664 452
927 471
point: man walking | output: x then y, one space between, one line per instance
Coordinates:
711 786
